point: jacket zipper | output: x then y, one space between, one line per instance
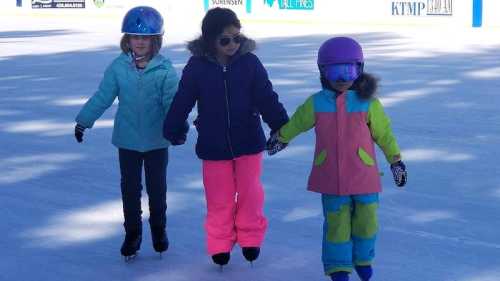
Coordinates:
340 188
228 135
141 108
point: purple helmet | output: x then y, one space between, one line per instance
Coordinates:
340 50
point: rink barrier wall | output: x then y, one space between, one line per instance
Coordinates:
459 13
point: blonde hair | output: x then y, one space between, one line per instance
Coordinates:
156 40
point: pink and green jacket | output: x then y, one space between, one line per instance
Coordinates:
346 129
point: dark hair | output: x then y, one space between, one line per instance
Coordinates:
365 86
213 25
156 41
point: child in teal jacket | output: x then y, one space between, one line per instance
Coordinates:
348 121
144 83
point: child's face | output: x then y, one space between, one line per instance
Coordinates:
228 43
141 45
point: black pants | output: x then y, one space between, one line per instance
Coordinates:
155 167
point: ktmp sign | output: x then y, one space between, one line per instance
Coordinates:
422 8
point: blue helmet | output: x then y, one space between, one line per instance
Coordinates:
143 20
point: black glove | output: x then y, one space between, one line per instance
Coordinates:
274 145
178 141
79 132
399 172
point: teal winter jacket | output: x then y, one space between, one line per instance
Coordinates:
143 101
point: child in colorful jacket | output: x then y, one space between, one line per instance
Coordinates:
145 83
347 121
232 91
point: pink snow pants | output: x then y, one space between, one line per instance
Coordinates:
235 201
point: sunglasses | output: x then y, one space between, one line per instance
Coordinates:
342 72
224 41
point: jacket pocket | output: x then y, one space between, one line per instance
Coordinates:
254 119
365 157
320 158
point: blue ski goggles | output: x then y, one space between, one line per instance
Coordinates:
342 72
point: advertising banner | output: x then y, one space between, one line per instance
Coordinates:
419 12
111 4
291 4
249 6
236 5
67 4
344 12
439 7
99 3
422 8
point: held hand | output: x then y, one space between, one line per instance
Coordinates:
181 136
178 141
79 129
274 145
399 172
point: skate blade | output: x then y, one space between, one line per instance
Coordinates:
130 258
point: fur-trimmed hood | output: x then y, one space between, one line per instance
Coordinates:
198 47
366 85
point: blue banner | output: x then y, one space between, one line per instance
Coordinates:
477 13
292 4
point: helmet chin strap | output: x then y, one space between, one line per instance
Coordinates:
138 58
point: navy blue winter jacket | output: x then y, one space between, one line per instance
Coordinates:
230 102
